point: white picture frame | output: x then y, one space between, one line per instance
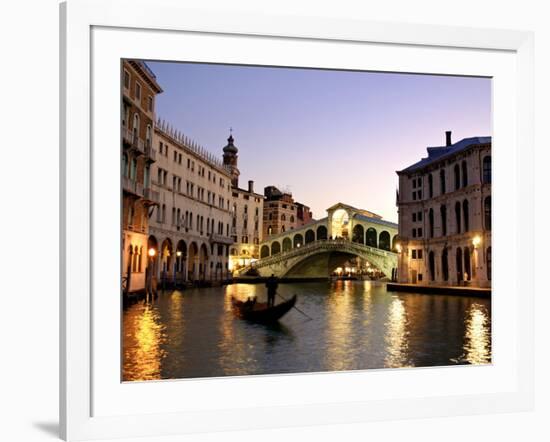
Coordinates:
85 412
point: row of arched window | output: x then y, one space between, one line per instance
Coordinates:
297 241
460 173
369 238
134 258
463 264
283 217
186 221
462 217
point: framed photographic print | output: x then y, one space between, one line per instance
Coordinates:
260 210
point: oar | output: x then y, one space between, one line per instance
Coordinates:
306 315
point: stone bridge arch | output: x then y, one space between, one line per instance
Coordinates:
315 255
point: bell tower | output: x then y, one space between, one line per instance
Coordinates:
230 157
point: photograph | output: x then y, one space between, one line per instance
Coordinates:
285 220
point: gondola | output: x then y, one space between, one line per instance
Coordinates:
259 312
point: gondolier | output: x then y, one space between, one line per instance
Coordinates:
272 284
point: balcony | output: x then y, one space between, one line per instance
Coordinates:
220 239
131 139
132 187
151 195
150 153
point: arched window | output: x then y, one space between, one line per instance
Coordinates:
431 263
291 218
148 136
442 188
489 263
384 241
445 264
358 234
264 252
283 217
125 165
135 128
133 169
443 212
275 248
464 174
467 266
459 271
457 176
431 185
431 222
270 216
487 169
270 230
321 233
458 216
487 212
287 244
371 237
466 212
130 258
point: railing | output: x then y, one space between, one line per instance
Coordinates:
151 195
127 135
150 153
215 238
132 186
328 244
131 138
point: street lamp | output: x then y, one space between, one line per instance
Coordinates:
398 248
476 241
151 252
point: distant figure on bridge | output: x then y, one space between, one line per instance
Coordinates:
272 283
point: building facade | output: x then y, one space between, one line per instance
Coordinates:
445 220
189 229
281 213
246 213
139 89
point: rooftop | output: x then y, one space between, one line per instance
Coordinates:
185 142
436 154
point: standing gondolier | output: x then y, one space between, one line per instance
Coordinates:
271 284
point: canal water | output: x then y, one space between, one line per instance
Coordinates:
356 325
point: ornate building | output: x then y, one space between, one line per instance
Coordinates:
190 228
444 203
246 211
139 88
281 213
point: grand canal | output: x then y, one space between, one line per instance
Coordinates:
355 325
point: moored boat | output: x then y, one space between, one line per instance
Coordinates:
254 311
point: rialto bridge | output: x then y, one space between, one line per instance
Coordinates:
318 248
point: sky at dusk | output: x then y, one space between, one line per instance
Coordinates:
327 136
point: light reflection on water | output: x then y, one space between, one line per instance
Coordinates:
356 325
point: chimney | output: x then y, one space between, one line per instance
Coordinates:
448 138
250 186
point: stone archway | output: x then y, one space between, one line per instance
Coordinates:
181 261
192 262
358 234
203 263
287 245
